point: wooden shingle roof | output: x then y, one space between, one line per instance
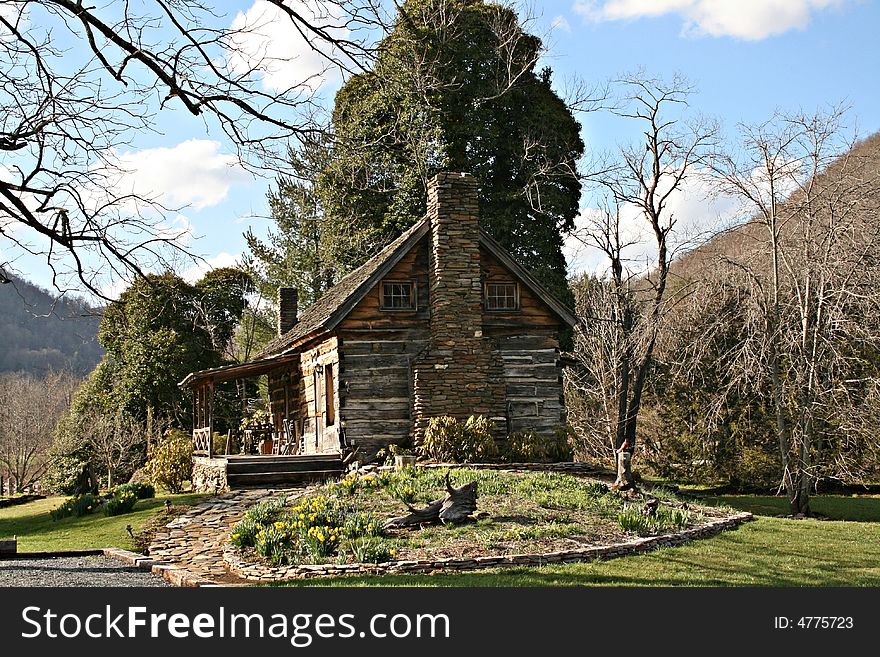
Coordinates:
323 315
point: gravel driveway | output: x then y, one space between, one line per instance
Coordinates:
74 571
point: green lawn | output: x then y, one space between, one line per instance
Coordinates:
863 508
37 532
768 552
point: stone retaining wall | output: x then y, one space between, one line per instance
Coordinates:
261 572
209 475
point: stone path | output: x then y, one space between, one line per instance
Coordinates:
195 540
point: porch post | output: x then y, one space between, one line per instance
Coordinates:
211 419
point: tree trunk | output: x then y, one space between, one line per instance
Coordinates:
454 508
624 479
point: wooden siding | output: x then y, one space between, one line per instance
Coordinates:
533 313
533 382
292 395
375 390
368 314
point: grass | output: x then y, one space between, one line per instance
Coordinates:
770 551
37 532
834 507
521 512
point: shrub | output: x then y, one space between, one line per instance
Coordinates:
532 447
524 447
386 454
448 439
560 447
79 505
121 501
170 464
141 490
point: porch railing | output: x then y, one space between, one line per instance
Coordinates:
202 445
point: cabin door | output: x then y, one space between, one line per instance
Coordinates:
326 437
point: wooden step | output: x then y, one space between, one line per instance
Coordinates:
287 465
263 478
273 458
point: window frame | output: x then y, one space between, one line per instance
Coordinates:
414 295
506 309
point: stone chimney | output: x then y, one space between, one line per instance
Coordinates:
288 302
455 287
460 373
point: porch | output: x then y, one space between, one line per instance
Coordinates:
298 441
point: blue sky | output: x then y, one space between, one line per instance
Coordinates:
746 58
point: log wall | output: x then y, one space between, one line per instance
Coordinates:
293 395
533 381
375 394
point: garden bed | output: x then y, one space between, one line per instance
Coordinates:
522 517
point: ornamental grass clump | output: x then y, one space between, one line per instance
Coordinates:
633 518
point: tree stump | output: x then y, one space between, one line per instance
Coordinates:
454 508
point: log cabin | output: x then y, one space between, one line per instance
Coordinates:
442 321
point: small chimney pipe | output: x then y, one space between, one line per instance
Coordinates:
288 307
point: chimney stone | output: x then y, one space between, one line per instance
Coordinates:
288 302
461 373
455 285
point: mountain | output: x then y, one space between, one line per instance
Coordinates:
42 332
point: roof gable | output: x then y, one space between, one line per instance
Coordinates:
337 302
326 313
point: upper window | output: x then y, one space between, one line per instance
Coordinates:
502 296
398 296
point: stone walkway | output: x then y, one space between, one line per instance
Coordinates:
195 540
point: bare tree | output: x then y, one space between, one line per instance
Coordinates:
806 265
66 113
639 183
29 409
118 443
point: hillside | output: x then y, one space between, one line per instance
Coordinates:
42 332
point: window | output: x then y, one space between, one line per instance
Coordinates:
398 296
501 296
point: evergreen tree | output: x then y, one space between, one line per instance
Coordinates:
455 88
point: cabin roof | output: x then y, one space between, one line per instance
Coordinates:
323 315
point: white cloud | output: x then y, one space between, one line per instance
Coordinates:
268 41
744 19
197 271
193 173
560 23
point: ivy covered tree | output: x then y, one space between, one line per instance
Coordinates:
454 87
